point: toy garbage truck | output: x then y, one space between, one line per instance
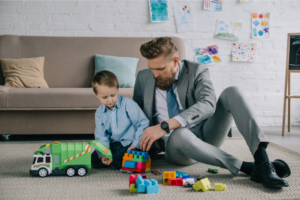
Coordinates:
65 158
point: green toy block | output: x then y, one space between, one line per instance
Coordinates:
132 188
139 158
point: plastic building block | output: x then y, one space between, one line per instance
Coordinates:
132 179
176 181
130 164
140 165
214 171
132 188
140 184
139 158
167 176
190 181
127 157
134 170
203 185
147 170
144 176
145 155
220 187
148 164
151 186
180 174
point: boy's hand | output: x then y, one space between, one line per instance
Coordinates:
105 160
132 147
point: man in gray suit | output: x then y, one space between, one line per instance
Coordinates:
189 124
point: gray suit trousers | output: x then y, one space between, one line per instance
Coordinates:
184 148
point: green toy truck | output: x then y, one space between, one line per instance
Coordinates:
65 158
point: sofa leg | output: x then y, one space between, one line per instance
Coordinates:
6 138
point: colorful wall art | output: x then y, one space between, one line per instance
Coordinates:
208 55
214 5
158 10
261 25
184 17
244 52
230 30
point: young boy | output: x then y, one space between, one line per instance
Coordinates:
120 123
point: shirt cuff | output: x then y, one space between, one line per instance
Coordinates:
181 120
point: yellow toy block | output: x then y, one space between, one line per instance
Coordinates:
132 188
127 157
220 187
147 170
167 176
203 185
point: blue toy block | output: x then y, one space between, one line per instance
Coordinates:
145 155
130 164
185 177
151 186
140 184
180 174
129 151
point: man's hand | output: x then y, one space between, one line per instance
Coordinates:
150 135
105 160
131 148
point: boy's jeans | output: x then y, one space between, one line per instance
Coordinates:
117 151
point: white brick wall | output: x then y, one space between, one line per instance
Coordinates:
262 82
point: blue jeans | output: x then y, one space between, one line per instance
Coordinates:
117 151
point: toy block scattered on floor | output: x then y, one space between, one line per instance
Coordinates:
203 185
188 180
132 188
151 186
141 185
176 181
136 161
167 176
220 187
180 174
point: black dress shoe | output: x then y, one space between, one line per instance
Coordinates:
265 174
282 169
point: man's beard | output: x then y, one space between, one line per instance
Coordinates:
166 83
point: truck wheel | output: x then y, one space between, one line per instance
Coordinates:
81 171
43 172
70 171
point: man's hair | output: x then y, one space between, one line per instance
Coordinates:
159 46
106 78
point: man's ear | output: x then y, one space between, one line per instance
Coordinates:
176 59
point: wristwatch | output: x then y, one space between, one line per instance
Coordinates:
165 126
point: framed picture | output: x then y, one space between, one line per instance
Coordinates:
293 51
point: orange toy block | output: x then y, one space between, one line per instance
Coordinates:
148 164
167 176
127 157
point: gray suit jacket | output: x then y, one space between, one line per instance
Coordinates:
195 90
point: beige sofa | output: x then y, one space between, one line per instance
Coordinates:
68 105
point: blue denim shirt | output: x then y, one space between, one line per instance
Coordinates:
126 123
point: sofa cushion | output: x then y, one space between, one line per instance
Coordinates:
3 96
123 67
24 72
56 98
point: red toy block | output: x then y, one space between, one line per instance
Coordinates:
133 170
140 165
132 179
176 181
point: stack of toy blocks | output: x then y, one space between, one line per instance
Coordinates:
137 161
138 184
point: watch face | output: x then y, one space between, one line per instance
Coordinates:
164 125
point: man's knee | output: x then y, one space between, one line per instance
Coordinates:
233 90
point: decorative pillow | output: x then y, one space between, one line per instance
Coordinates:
24 72
123 67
